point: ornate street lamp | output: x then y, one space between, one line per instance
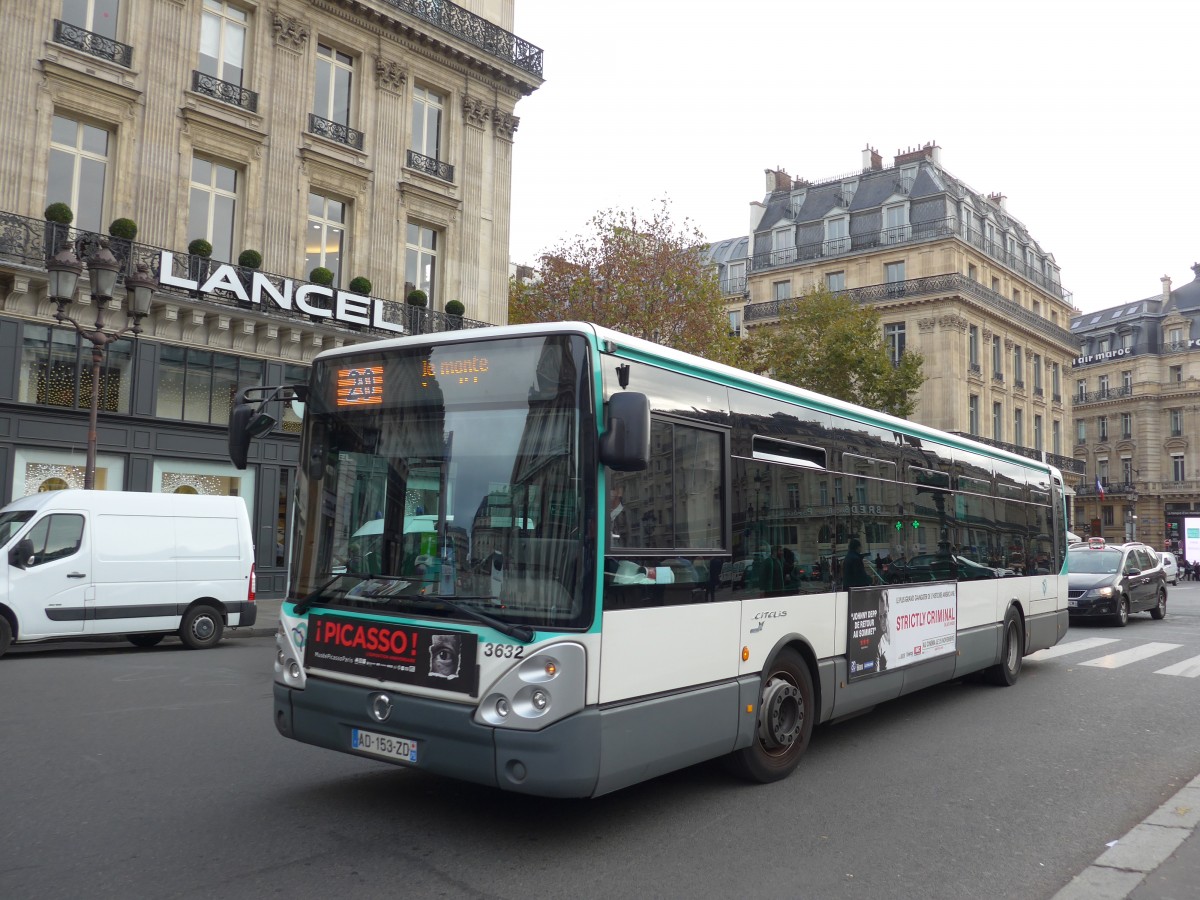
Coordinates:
64 269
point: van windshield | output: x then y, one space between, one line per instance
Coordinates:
11 522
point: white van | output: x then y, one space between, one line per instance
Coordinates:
83 563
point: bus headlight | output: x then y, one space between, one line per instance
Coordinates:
539 690
289 652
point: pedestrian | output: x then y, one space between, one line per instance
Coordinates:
854 570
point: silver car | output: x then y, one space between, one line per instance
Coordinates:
1170 566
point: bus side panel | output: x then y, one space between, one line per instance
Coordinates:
1045 630
816 618
978 648
668 648
855 696
656 736
1044 597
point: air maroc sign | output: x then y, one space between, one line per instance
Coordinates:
311 299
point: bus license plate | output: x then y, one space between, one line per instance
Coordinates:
401 749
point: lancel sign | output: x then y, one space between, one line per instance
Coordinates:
312 299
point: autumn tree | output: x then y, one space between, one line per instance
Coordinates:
828 343
641 275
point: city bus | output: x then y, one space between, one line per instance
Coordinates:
630 560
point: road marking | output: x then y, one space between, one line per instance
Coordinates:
1070 647
1125 657
1189 668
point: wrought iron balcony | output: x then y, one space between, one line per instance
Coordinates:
733 286
435 168
1104 394
29 243
952 282
1114 488
1064 463
335 131
226 92
91 43
475 30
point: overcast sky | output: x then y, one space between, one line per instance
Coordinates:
1084 115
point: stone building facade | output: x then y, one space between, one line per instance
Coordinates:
371 139
1136 390
954 276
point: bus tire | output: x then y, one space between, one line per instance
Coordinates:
1012 652
201 628
786 715
144 640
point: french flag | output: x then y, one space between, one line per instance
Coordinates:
1099 487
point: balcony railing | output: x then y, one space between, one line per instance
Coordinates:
934 284
475 30
731 287
335 131
435 168
1114 488
93 44
1104 394
30 242
225 91
912 233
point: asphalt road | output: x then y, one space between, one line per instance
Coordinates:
158 773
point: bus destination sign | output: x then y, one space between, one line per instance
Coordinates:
455 370
360 386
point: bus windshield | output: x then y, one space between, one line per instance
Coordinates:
445 480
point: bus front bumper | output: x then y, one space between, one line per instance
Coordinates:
561 760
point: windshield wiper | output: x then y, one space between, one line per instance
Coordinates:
522 633
303 606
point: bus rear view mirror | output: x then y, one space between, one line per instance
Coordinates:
246 423
625 444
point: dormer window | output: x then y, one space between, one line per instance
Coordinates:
895 223
837 235
783 246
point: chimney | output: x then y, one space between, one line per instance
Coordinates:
778 180
930 152
1166 283
872 161
999 199
1196 271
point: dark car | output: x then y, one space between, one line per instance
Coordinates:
1109 581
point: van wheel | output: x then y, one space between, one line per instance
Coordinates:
5 634
144 640
201 628
786 715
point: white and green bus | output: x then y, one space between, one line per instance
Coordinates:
629 560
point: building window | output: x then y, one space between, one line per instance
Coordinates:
781 290
1175 339
1176 422
78 170
1016 297
427 122
1177 470
895 223
1126 426
1127 381
1056 437
1102 423
1018 367
735 322
894 272
325 243
1036 306
973 347
1125 340
1037 433
1037 374
973 415
735 278
1019 427
1127 470
893 336
1080 431
1106 515
997 358
1102 471
1081 389
972 272
56 372
223 41
997 422
420 259
212 206
995 284
835 281
1102 386
199 385
837 232
335 74
1175 375
96 16
1104 345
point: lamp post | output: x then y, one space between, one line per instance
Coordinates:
64 269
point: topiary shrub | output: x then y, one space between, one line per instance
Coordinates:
126 229
321 275
200 247
416 297
249 259
360 285
60 213
455 308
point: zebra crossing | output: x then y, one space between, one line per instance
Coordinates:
1119 657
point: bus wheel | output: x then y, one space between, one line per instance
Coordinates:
1005 672
201 628
144 640
785 721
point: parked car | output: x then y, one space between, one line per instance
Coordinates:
931 567
1170 567
1110 581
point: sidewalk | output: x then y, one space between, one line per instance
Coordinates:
1158 859
265 624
